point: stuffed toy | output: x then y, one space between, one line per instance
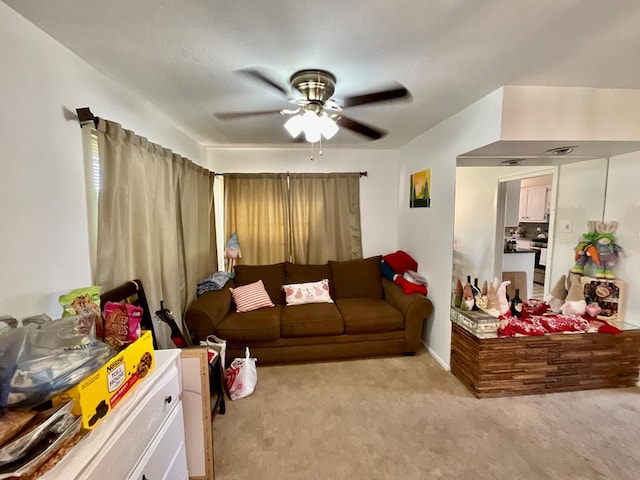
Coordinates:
501 292
493 304
599 245
575 303
558 295
232 252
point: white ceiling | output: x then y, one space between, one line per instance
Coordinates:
181 54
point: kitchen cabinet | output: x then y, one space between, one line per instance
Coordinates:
533 204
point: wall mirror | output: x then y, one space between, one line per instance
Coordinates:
578 195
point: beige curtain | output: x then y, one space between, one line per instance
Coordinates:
256 208
325 217
155 221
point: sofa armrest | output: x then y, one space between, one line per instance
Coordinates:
415 309
207 311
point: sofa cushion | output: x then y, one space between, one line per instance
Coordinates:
311 320
369 316
271 275
360 278
256 326
299 273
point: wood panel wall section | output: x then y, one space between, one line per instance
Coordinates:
196 399
500 367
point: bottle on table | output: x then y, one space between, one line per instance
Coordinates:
516 304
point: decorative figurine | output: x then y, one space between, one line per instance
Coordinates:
232 252
599 245
558 295
575 303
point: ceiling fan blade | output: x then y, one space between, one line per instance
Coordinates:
237 115
360 128
261 77
379 96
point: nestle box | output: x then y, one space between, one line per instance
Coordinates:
95 396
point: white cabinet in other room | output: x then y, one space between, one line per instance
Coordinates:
533 204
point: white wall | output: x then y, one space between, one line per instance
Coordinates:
427 233
623 205
570 113
475 219
44 235
378 190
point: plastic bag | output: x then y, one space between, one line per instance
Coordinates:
38 363
241 376
216 346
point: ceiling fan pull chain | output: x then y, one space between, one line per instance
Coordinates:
311 151
320 151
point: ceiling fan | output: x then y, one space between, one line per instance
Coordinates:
314 112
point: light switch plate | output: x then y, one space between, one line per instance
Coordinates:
565 226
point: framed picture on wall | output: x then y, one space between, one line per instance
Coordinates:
420 189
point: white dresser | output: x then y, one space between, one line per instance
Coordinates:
142 439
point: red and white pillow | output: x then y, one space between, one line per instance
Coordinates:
311 292
250 297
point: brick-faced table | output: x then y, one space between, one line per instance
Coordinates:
500 367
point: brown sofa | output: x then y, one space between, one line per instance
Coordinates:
370 315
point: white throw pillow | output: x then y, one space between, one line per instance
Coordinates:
311 292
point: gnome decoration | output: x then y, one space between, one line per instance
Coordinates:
457 294
558 295
467 298
232 252
574 303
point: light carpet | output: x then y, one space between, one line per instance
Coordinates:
407 418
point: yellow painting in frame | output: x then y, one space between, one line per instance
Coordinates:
420 189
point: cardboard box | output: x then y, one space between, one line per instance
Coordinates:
608 293
478 323
95 396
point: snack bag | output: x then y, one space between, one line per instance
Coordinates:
116 325
84 301
135 317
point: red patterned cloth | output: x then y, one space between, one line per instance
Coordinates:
534 325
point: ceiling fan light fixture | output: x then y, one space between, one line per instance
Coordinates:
328 127
311 126
294 125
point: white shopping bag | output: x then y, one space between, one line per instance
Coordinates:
216 346
241 376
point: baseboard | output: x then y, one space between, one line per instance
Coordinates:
442 363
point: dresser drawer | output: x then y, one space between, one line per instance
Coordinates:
166 458
147 413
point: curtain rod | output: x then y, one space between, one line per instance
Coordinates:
85 116
362 174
